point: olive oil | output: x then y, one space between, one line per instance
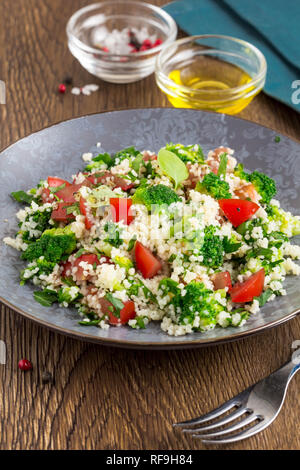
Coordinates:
212 86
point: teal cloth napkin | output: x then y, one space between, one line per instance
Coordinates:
271 25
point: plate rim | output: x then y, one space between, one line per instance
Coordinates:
147 345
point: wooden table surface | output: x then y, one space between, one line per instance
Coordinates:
105 398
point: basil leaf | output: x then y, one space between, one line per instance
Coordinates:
46 297
223 164
264 297
21 196
172 166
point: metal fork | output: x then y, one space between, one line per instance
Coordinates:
256 407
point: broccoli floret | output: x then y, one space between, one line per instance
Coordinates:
39 221
264 185
53 245
212 249
214 186
187 153
155 196
40 266
197 300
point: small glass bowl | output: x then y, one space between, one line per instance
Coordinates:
118 14
211 72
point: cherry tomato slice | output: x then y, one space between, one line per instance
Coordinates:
222 280
127 313
146 262
88 217
54 182
247 290
238 211
120 208
88 258
60 214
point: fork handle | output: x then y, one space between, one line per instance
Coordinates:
285 373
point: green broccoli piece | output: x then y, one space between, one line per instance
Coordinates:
157 195
198 300
214 186
187 153
53 245
212 249
39 220
36 268
264 185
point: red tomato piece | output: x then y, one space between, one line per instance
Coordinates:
146 262
67 266
99 178
88 258
88 217
247 290
221 280
46 196
54 182
120 208
147 157
60 214
67 193
238 211
125 185
127 313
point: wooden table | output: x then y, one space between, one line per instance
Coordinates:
106 398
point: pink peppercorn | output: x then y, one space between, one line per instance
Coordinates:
24 365
158 42
62 88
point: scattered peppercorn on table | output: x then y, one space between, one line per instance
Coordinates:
97 397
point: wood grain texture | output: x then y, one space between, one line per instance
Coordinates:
104 398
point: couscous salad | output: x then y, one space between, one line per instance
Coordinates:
191 242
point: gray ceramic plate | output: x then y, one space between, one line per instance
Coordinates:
57 150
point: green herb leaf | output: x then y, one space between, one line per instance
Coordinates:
264 297
79 252
137 162
57 188
277 139
116 303
172 166
89 323
46 297
131 243
21 196
230 247
223 164
73 208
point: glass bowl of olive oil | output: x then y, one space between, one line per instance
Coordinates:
211 72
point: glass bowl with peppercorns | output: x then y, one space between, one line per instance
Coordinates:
118 41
